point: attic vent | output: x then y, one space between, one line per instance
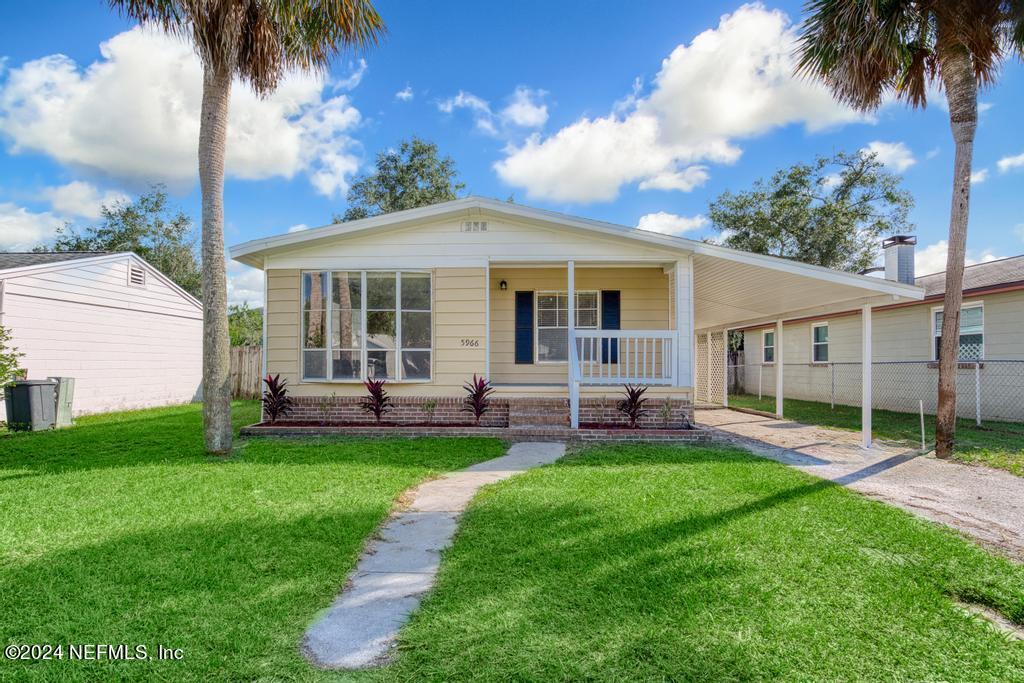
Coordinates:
474 226
136 275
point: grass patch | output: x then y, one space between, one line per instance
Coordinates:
122 530
996 444
636 562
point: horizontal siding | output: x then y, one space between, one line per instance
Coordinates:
120 359
459 313
645 305
104 284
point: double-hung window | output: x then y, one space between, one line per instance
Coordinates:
366 324
768 346
553 322
819 343
972 332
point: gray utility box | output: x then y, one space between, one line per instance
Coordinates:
31 404
65 400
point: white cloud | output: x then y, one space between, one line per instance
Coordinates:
932 258
895 155
932 153
670 223
979 176
245 284
732 82
298 227
79 198
526 108
21 229
1010 163
684 180
134 115
355 77
482 115
831 180
405 94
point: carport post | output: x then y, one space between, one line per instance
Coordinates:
778 368
865 377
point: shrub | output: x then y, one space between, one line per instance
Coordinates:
276 401
633 405
9 370
428 407
666 413
376 402
477 399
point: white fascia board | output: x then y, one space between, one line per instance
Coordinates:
251 253
39 268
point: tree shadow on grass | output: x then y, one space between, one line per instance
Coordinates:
235 597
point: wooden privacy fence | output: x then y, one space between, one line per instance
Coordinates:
246 369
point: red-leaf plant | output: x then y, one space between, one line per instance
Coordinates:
276 401
633 405
377 402
477 399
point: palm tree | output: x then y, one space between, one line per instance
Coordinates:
864 50
257 41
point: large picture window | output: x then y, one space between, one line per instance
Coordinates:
373 324
553 322
972 332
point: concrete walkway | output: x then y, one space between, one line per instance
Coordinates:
399 566
985 503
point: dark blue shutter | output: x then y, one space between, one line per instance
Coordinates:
611 319
524 328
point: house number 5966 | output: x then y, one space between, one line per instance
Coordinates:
470 342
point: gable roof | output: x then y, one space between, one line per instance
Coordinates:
1004 271
20 259
81 258
253 251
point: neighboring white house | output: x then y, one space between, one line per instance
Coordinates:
129 336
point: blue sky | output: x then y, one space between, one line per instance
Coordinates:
631 117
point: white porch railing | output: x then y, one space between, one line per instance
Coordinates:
599 357
625 357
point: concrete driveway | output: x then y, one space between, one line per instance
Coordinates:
985 503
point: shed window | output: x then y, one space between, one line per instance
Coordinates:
373 325
819 343
768 347
553 322
972 332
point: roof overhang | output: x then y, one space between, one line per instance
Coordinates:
770 285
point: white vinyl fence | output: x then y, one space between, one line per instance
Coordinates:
985 390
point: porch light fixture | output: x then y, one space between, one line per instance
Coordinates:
503 285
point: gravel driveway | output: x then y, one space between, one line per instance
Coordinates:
985 503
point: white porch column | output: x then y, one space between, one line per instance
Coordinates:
725 368
573 382
684 345
779 362
707 369
865 377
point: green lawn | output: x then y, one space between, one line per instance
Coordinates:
121 530
664 563
996 444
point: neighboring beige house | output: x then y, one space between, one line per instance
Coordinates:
431 296
129 335
819 351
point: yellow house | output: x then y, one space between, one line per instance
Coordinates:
428 297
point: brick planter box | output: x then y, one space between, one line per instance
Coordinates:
505 412
511 433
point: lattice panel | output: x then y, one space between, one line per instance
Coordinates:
716 368
700 374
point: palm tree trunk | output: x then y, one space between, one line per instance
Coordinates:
213 128
962 93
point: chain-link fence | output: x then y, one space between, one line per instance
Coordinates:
985 390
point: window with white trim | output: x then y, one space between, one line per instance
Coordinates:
768 346
819 343
374 324
972 332
553 322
